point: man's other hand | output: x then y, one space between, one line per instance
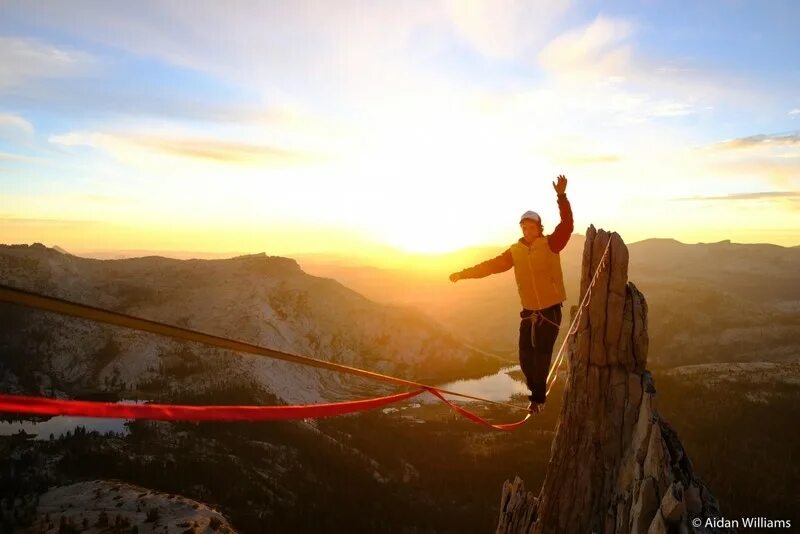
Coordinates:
561 186
455 277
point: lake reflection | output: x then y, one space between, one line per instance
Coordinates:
497 387
60 424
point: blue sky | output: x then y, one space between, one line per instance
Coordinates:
425 126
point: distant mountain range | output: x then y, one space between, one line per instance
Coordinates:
709 302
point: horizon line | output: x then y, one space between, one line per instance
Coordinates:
167 253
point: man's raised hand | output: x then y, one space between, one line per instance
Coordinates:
454 277
561 186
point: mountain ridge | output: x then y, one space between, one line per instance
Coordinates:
266 300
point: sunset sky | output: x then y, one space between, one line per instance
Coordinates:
294 127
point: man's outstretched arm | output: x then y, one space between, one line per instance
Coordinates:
498 264
563 231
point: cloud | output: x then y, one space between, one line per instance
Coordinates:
340 62
268 46
665 108
16 131
505 29
593 73
771 157
224 152
760 195
587 159
601 64
197 148
22 59
9 219
13 125
104 199
7 156
760 141
597 50
795 111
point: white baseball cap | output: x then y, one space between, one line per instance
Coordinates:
530 215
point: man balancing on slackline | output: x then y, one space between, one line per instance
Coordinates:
537 268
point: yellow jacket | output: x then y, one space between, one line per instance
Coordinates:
537 266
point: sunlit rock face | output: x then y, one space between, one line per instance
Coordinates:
616 466
112 506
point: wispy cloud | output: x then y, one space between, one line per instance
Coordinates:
665 108
505 29
16 131
10 219
760 141
104 199
14 125
8 156
220 151
588 159
602 63
597 50
225 152
266 45
759 195
772 158
22 59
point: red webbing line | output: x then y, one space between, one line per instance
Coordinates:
34 300
180 412
477 418
45 406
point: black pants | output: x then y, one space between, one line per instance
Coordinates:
536 348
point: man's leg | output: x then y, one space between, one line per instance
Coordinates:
526 348
545 335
